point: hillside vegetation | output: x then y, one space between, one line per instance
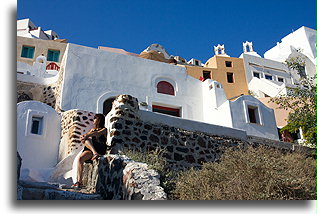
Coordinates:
251 174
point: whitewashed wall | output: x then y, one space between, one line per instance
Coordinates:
234 113
267 126
304 39
265 66
216 105
37 151
261 86
92 76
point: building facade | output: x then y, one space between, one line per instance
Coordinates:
300 43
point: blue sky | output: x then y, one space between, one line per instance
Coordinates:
186 28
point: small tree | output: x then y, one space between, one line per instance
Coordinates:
297 63
301 101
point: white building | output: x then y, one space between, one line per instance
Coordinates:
265 77
301 42
246 112
26 28
94 77
38 131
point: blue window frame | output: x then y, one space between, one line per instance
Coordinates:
27 52
53 55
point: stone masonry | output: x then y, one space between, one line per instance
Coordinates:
183 148
116 177
74 124
32 91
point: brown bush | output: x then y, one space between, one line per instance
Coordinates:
252 174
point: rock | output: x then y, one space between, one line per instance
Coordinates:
116 177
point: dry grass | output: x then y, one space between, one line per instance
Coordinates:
253 174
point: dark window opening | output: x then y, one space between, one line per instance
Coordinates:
252 111
36 127
206 75
166 110
165 88
256 74
230 77
107 105
247 48
280 79
268 77
228 64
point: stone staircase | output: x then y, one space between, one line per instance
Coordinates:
111 177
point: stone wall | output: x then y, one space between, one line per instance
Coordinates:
117 177
33 91
282 146
183 148
74 124
141 183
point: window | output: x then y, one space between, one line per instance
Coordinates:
37 123
230 77
166 110
165 88
53 55
228 64
268 77
206 75
280 79
27 52
256 74
253 114
247 48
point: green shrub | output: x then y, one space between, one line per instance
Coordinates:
251 174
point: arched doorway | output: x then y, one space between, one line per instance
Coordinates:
107 105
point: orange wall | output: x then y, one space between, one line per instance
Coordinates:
219 71
196 71
41 47
281 115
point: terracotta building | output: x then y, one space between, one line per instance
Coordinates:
229 71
